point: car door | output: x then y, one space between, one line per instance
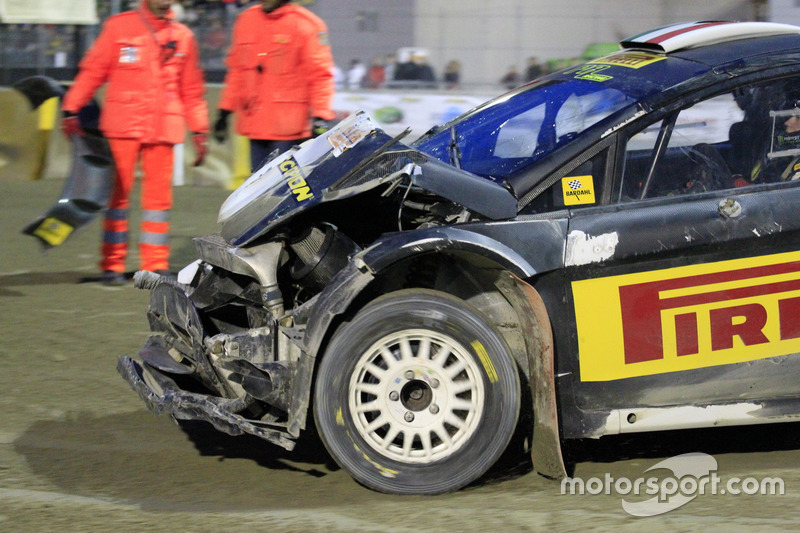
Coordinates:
686 288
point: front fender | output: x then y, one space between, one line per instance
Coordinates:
391 248
395 247
337 296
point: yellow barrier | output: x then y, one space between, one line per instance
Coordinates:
48 112
241 161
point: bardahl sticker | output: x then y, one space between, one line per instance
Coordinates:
578 190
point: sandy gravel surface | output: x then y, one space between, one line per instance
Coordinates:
79 452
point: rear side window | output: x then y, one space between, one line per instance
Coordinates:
730 140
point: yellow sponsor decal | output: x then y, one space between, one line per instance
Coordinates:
53 231
688 317
290 171
592 73
485 361
629 60
578 190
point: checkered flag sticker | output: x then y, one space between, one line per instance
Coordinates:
575 184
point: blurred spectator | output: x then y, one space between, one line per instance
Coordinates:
416 70
424 72
216 37
452 74
405 70
231 9
534 69
338 77
511 78
190 15
376 74
355 74
58 41
389 66
213 41
177 9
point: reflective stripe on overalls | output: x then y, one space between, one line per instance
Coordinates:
156 194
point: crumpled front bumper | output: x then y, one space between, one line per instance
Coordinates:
162 395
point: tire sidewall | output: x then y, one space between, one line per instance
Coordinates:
441 313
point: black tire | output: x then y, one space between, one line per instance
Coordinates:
461 420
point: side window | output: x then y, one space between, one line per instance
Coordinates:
730 140
640 153
574 186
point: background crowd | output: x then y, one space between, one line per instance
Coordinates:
62 46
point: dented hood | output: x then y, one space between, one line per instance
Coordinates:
353 157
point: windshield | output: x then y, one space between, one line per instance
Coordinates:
521 127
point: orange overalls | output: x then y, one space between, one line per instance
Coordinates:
279 73
155 90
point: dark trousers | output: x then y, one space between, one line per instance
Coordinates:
261 150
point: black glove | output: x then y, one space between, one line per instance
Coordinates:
320 126
221 125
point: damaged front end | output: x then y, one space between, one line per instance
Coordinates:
213 356
235 336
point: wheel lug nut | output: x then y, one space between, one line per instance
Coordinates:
434 409
394 396
409 374
434 383
409 416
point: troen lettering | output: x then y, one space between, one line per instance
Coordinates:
295 180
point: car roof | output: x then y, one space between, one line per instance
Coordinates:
654 57
689 35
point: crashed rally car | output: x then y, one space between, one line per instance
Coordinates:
611 248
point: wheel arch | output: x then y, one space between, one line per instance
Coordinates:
365 272
485 281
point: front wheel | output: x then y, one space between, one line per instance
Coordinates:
418 394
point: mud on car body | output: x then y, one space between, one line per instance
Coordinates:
595 252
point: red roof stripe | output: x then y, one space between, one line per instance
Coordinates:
661 38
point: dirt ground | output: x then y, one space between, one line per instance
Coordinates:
79 451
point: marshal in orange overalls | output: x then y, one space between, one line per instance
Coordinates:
279 73
154 91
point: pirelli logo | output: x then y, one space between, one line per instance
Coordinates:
688 317
629 59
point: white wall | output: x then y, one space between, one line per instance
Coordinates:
487 36
787 11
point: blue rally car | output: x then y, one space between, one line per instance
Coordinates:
611 248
